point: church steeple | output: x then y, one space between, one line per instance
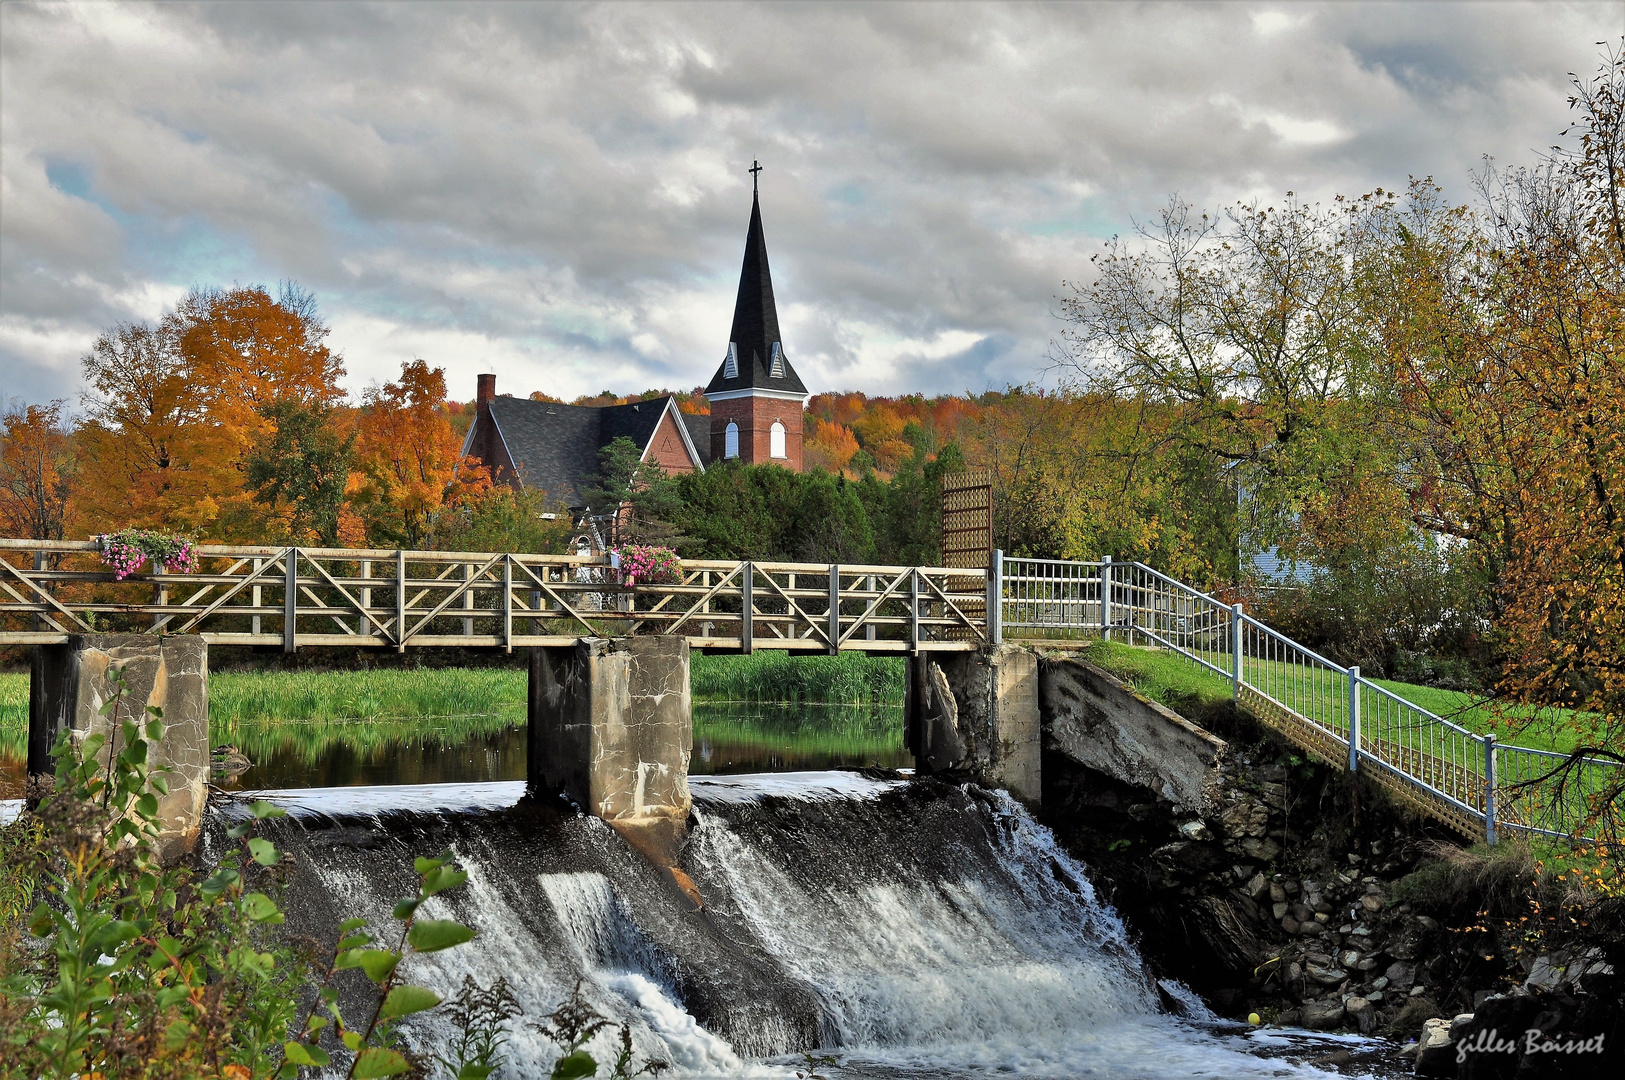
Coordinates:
756 396
755 357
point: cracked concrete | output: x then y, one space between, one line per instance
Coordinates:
170 673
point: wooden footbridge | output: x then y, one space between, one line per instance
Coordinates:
296 596
292 597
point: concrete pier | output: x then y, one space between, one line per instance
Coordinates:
611 727
70 684
976 715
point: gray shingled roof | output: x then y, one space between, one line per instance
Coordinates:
555 447
756 323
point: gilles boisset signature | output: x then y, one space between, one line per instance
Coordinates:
1489 1041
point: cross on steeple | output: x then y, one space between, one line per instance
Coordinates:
755 167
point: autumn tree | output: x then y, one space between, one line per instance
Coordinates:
173 410
37 472
409 462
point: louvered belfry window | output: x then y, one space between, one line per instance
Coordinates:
777 368
730 366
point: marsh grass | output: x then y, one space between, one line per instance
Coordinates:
844 679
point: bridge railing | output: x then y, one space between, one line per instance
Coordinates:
297 596
1465 779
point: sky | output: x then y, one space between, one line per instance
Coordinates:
559 194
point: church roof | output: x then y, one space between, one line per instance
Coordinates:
555 447
756 324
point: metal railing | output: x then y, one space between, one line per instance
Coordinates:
1467 780
295 596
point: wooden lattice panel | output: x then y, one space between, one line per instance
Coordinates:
967 519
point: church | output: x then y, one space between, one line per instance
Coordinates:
756 397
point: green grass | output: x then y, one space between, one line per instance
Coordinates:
377 707
1181 685
844 679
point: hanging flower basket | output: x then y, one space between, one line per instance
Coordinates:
644 565
126 550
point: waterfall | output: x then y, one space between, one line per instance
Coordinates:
913 929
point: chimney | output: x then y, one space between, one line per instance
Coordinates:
487 390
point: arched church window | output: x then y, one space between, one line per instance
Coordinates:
776 443
730 440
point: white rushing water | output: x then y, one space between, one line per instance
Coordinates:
1004 964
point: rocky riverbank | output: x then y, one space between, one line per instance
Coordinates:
1315 903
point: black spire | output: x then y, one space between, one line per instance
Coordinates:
755 329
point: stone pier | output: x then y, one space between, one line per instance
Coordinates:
976 715
611 728
69 686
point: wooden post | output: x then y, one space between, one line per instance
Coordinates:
468 598
834 608
746 614
257 598
366 594
1489 790
914 610
869 625
400 601
290 599
507 603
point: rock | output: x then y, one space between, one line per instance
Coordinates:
1322 918
1407 944
1371 963
1302 912
1277 893
1418 991
1325 974
1280 910
1311 928
1550 971
1288 1019
1257 886
1195 830
1435 1053
1362 1012
1459 1026
1321 1015
1380 982
1289 924
1371 902
1264 850
1349 958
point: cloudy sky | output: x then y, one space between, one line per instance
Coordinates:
558 194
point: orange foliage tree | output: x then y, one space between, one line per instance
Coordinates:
171 411
37 471
409 461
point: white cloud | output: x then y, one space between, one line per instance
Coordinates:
558 193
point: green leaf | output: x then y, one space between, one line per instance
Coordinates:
422 865
301 1054
262 809
176 1034
155 730
351 924
405 1000
261 908
352 1039
432 935
375 1062
378 963
263 851
354 941
156 711
575 1066
475 1072
219 881
170 996
404 909
442 878
147 805
159 784
42 922
240 830
114 934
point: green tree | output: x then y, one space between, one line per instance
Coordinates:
298 471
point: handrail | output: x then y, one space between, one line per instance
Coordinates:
1443 767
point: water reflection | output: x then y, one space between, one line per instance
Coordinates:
728 738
